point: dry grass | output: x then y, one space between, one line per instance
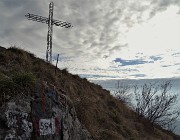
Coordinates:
105 117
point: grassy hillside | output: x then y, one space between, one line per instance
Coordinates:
105 117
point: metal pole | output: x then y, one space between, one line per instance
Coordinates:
56 63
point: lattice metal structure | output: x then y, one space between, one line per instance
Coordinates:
50 21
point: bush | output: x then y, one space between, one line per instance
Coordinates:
24 79
8 89
20 83
15 49
123 94
7 86
155 102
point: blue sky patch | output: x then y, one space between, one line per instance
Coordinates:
130 62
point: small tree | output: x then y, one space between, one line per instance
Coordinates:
155 102
122 93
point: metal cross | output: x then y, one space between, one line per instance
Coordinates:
50 21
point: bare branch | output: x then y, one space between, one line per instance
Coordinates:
155 102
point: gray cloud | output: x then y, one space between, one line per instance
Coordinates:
166 65
161 5
95 21
139 75
176 54
94 76
155 58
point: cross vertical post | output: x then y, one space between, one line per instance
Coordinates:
49 35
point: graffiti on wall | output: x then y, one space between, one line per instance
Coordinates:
14 116
12 136
20 122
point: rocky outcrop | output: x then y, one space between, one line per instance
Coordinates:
15 120
46 114
2 48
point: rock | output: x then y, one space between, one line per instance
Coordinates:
2 48
48 115
16 114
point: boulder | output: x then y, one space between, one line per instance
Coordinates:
47 114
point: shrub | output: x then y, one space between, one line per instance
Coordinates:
8 89
155 102
15 50
7 86
24 79
123 94
20 83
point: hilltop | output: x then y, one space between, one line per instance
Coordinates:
105 117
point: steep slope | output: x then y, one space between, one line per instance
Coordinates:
105 117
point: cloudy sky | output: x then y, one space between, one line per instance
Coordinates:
132 39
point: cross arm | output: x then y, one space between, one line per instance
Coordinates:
37 18
62 24
46 20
